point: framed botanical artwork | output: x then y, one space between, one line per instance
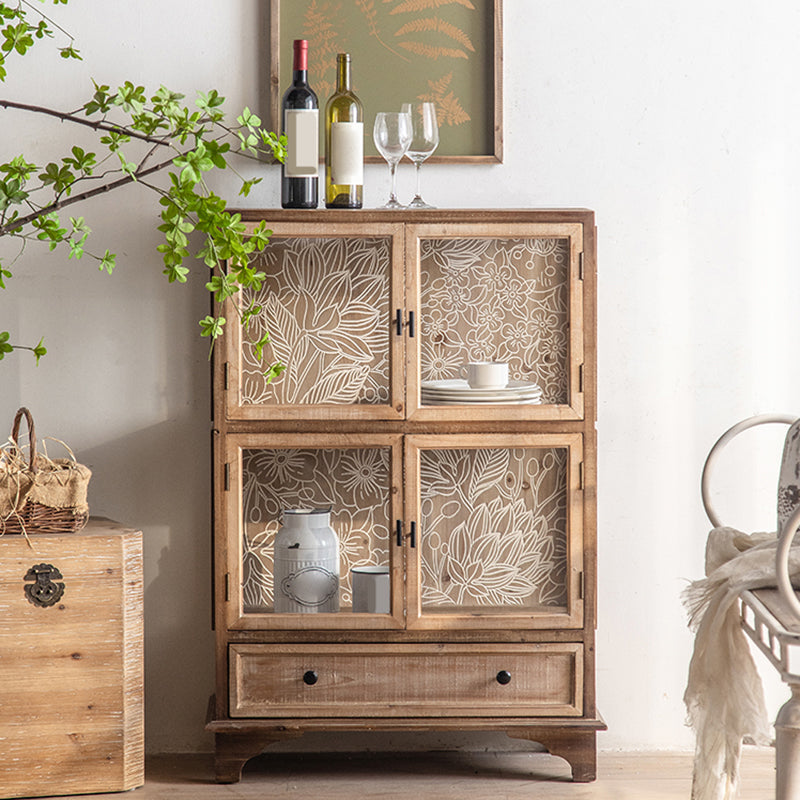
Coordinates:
445 51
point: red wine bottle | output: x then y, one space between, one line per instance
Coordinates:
300 111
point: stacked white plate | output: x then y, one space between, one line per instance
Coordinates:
455 390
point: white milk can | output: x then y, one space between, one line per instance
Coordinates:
306 562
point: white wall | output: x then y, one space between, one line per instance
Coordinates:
675 121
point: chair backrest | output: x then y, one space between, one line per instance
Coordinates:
788 486
789 480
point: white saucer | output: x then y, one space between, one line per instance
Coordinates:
430 401
456 389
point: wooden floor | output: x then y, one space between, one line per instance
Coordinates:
429 776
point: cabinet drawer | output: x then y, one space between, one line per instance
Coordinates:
406 680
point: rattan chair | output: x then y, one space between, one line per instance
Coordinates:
771 617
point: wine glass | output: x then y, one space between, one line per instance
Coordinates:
424 140
392 136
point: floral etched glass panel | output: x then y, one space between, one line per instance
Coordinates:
354 482
493 529
487 299
325 303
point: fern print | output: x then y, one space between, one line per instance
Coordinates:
371 15
324 41
437 25
449 110
423 5
431 51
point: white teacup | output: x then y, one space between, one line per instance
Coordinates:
485 374
371 590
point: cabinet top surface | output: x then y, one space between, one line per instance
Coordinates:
421 217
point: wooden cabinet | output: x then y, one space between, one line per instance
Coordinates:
482 510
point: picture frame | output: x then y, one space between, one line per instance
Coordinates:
447 51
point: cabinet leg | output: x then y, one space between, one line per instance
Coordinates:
576 747
233 750
787 748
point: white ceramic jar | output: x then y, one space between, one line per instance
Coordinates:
306 563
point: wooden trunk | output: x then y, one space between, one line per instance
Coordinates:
71 667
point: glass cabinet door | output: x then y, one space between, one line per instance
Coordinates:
511 293
329 302
496 531
279 577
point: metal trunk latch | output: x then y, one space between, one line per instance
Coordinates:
44 591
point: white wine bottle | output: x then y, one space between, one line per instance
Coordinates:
344 142
300 172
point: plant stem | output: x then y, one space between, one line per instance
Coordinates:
22 221
49 19
66 116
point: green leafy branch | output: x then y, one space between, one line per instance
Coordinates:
19 34
193 140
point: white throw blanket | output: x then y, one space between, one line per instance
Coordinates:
724 697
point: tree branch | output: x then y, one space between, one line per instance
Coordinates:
59 204
66 116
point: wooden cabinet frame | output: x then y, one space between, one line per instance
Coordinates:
236 618
394 408
279 675
573 408
571 615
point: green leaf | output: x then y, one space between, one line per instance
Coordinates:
18 168
81 160
175 272
210 103
275 143
4 273
273 372
40 350
247 119
258 347
50 229
70 52
17 38
222 287
60 178
128 167
76 248
193 164
11 193
5 347
131 98
101 101
212 326
253 310
248 185
108 262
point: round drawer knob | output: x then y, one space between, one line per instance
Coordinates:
310 677
504 677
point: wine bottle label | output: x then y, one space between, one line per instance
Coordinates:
302 142
347 153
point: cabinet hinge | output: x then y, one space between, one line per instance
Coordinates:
225 377
227 477
228 587
580 266
581 585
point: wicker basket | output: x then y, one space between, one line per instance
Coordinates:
40 495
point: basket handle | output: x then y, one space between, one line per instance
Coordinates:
23 412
